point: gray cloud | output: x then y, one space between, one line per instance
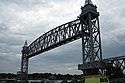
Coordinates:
28 19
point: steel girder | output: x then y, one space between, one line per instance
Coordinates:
56 37
116 62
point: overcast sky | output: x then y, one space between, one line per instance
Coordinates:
22 20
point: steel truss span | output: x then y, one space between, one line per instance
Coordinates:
56 37
117 62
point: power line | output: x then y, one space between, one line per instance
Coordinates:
112 39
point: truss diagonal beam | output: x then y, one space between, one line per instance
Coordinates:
116 62
56 37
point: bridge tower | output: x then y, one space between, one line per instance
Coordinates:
24 62
91 41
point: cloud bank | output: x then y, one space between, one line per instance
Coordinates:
22 20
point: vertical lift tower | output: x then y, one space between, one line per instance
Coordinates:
24 62
91 41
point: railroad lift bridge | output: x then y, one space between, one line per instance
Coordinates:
86 26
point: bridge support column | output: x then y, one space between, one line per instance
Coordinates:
24 63
24 68
91 40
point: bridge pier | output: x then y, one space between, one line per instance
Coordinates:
24 68
24 63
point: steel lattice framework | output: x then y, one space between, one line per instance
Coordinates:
86 26
56 37
116 62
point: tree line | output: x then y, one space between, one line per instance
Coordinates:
112 72
36 76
